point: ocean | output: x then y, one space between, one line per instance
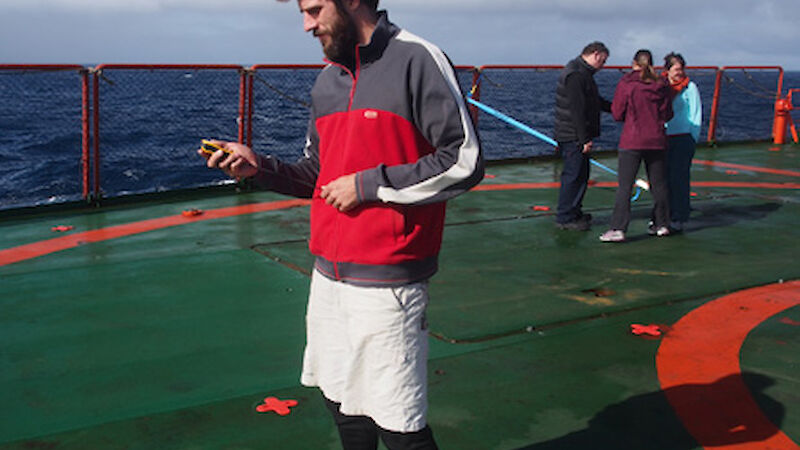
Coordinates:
152 121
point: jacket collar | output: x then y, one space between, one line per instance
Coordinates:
383 33
582 62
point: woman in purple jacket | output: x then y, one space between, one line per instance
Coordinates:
642 101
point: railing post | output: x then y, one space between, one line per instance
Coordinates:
85 129
242 102
712 122
476 93
791 122
96 132
250 75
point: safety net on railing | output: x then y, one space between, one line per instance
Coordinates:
281 103
746 102
527 94
40 134
147 121
151 121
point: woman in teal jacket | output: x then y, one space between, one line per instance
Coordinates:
683 131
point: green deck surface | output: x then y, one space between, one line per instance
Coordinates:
168 339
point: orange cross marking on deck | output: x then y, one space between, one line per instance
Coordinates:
281 407
651 330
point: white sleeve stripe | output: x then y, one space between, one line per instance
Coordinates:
467 154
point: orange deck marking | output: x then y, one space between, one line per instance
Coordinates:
36 249
790 173
737 184
650 330
613 184
549 185
514 186
281 407
698 367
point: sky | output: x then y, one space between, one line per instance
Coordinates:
471 32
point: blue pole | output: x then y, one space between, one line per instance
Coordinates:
548 139
606 168
512 121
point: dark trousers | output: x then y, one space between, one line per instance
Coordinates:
679 162
574 178
361 433
655 162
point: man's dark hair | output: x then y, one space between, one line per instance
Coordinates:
673 58
373 4
595 46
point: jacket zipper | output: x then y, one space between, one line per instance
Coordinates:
337 225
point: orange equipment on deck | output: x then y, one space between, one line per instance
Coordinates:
783 118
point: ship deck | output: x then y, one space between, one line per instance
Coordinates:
142 327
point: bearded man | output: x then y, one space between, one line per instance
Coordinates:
389 140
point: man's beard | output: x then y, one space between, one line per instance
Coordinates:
343 38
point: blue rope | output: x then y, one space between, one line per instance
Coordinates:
516 123
512 121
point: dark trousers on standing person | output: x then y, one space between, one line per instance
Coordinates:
679 162
361 433
574 179
655 162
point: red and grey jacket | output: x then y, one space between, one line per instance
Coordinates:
395 117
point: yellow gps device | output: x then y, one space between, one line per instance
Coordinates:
209 147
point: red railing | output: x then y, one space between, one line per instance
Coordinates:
92 138
712 126
715 107
83 73
98 70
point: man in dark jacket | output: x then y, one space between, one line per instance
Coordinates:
390 140
578 106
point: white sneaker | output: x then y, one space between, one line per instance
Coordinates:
651 228
663 231
613 236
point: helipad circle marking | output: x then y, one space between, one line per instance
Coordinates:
698 368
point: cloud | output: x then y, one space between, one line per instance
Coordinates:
711 32
645 38
114 6
171 36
